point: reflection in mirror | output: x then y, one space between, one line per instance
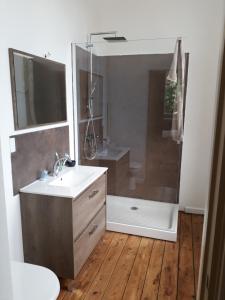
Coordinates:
38 90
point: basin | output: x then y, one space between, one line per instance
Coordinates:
72 179
70 182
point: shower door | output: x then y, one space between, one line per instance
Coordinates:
132 120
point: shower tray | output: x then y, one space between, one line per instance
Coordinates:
142 217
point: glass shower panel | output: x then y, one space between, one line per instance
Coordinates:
132 121
89 87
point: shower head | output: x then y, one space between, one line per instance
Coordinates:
115 39
112 38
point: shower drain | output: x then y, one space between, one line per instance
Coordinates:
134 207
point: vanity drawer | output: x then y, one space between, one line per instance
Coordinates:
84 245
88 204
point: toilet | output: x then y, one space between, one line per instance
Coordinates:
135 174
33 282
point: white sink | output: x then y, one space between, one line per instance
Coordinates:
72 179
70 183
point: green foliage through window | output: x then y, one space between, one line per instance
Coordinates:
170 97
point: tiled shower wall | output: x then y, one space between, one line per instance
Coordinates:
36 151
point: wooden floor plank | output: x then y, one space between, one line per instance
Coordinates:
186 285
101 281
168 281
169 274
62 295
120 276
197 225
137 277
151 286
142 268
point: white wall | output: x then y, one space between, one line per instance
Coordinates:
201 24
5 269
36 27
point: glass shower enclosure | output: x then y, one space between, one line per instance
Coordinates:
124 123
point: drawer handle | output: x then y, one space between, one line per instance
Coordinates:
93 229
93 194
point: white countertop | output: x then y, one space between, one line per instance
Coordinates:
48 188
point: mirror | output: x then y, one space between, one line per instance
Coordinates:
38 90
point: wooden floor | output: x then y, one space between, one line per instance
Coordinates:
130 267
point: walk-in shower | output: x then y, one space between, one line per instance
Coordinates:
125 121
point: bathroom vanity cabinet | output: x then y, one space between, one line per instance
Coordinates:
60 232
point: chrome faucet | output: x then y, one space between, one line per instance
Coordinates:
59 163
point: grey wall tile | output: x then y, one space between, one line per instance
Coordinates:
36 151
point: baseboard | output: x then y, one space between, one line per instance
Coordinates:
192 210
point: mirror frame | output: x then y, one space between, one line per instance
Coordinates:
13 89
